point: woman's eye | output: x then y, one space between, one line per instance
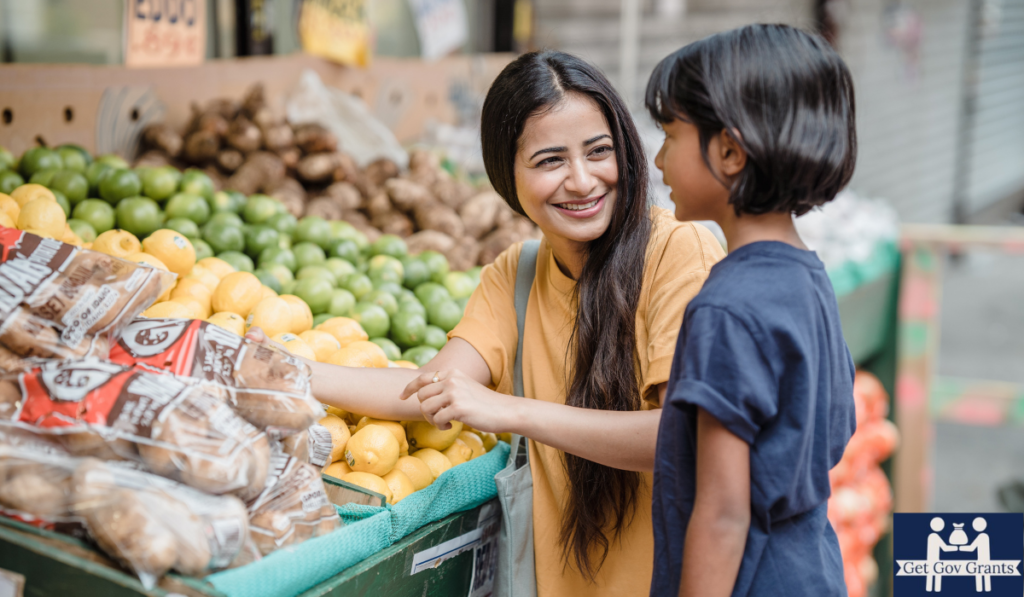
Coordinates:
601 151
549 161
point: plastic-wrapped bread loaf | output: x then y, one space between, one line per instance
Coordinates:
293 507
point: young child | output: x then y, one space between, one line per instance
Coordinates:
759 127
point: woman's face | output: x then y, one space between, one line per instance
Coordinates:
566 171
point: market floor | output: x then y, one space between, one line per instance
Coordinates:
982 337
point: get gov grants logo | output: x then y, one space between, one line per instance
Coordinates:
958 554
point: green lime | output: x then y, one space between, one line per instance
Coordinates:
229 201
277 256
358 284
260 237
375 320
43 177
342 230
385 268
269 280
226 219
431 293
6 158
346 249
416 272
238 260
420 355
391 349
259 208
223 238
444 314
308 254
284 240
203 249
313 229
196 182
342 302
185 226
95 173
118 185
391 288
411 305
10 180
318 319
384 300
288 287
316 271
63 202
339 267
282 273
73 184
317 293
97 213
187 205
459 285
83 229
435 337
139 215
39 158
474 273
113 160
74 157
436 263
159 183
462 302
284 223
408 329
389 244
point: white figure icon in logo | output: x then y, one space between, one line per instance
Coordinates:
981 546
935 548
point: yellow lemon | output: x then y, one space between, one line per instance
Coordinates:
436 461
344 329
168 310
505 437
339 435
334 410
69 235
117 243
399 484
458 452
267 292
337 469
394 427
424 435
295 345
322 343
197 310
31 192
43 215
233 322
219 267
407 365
360 354
206 278
238 292
6 221
173 249
417 471
372 449
272 315
10 207
489 439
475 443
302 317
194 289
369 481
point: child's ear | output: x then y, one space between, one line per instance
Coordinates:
733 157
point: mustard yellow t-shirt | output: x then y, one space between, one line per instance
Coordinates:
678 260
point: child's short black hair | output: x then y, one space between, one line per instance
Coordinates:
787 93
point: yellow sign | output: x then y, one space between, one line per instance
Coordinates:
165 32
337 30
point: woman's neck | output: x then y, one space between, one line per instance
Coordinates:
569 255
749 228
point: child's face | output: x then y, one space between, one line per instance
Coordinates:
697 194
566 171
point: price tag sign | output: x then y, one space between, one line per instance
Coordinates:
338 30
442 26
165 32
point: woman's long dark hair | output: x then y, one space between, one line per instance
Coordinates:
603 343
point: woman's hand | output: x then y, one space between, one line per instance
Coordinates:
451 395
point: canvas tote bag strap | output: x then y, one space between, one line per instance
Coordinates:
525 273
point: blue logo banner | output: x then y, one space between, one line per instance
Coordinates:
958 554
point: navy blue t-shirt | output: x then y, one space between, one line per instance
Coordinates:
761 349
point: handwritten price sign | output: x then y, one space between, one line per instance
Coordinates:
165 32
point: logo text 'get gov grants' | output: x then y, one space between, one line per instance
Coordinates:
958 554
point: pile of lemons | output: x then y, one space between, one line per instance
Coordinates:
397 458
34 208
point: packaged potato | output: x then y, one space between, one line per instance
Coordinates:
177 427
293 507
267 386
58 301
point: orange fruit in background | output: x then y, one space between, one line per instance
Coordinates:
219 267
30 192
302 316
344 329
168 310
360 354
238 292
322 343
272 315
233 322
117 243
295 345
44 216
172 248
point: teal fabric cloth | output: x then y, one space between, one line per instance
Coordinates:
367 531
851 275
